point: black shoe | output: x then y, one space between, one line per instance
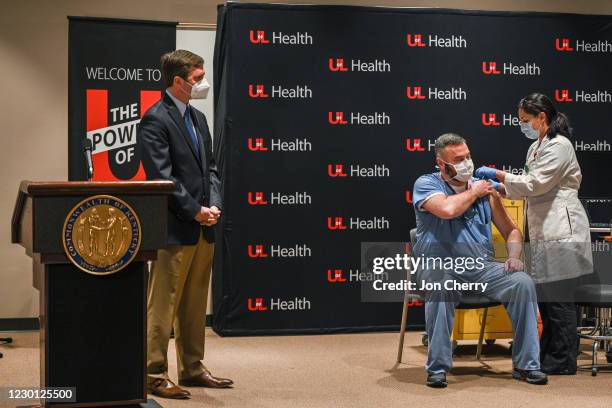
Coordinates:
531 376
437 380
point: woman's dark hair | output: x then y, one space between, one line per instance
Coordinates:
558 123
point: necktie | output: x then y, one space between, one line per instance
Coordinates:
191 130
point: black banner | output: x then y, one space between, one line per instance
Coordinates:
113 78
326 117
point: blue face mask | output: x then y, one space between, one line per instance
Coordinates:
529 131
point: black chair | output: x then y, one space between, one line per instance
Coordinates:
5 340
598 297
467 301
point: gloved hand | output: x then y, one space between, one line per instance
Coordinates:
485 173
496 185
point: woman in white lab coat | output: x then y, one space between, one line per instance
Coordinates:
558 227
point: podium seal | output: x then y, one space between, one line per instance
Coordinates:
101 235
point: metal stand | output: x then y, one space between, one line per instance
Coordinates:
601 336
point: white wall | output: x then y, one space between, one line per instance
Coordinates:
202 42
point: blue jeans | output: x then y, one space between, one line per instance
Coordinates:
515 290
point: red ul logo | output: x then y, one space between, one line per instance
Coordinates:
490 119
414 145
258 37
257 251
257 198
415 40
336 118
336 170
335 276
563 44
409 197
414 92
257 92
257 145
338 65
256 304
335 223
490 68
414 303
562 95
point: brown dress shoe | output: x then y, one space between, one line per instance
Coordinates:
166 389
206 379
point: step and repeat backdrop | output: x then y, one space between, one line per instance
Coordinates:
325 116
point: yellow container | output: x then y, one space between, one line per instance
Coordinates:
498 325
515 209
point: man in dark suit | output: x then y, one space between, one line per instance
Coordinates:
176 145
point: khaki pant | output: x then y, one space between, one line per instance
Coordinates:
178 291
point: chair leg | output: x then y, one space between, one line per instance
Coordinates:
481 336
595 350
400 347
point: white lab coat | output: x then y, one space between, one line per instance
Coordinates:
559 235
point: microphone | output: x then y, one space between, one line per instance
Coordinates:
87 147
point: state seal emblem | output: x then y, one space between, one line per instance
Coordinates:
101 235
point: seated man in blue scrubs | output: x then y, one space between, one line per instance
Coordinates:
454 216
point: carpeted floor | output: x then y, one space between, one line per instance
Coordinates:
349 370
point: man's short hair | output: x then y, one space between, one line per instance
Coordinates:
179 63
447 139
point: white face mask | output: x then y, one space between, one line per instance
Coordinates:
464 170
199 90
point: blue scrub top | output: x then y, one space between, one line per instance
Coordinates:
466 235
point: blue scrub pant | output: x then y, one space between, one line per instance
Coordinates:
515 290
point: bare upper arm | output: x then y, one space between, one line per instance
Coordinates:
436 204
500 216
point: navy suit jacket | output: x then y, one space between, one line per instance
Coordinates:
168 153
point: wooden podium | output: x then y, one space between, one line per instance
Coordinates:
90 243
